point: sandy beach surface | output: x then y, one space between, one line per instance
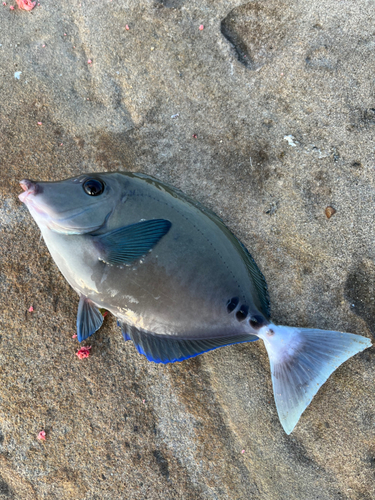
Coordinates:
266 115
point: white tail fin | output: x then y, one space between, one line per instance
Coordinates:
301 361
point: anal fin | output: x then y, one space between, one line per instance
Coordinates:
170 349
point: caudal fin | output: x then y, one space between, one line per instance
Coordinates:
301 361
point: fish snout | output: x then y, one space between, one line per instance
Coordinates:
29 187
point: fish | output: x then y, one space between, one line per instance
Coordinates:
176 278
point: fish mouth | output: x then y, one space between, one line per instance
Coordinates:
29 188
44 217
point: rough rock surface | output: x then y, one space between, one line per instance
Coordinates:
280 96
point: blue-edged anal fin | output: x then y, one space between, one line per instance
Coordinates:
129 243
301 360
89 318
169 348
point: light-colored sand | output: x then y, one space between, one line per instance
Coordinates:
283 108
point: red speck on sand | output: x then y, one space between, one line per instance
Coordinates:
127 27
31 309
84 352
201 27
74 336
43 46
39 123
11 7
42 435
26 4
89 61
195 136
243 451
4 3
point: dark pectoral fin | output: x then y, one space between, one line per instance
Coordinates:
163 349
89 318
127 244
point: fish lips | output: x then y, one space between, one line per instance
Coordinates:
29 187
44 217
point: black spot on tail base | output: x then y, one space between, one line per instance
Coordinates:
232 304
242 313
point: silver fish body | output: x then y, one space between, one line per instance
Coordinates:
179 282
182 286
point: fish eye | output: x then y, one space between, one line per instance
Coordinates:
93 187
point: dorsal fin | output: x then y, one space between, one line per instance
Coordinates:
258 280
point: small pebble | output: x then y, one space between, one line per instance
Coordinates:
329 212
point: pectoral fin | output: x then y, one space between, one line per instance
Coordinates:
129 243
89 318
